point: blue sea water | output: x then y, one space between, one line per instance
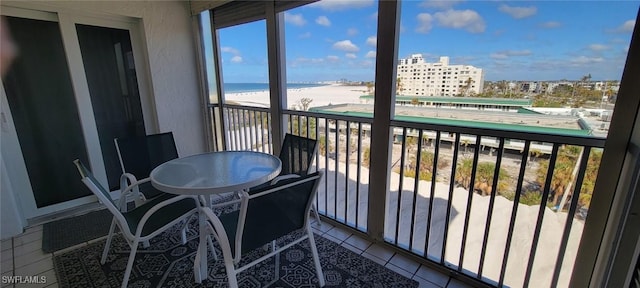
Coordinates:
253 87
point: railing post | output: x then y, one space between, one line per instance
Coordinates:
387 48
277 75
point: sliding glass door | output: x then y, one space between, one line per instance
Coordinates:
73 89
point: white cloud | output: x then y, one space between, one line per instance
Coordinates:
323 21
305 35
424 23
301 61
509 53
627 26
350 55
333 58
584 60
598 47
346 46
518 12
550 24
231 50
440 4
370 54
366 64
372 41
468 20
236 59
338 5
295 19
352 31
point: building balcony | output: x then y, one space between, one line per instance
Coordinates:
524 233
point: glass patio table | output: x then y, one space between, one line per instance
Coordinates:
213 173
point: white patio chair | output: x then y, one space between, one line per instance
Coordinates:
263 217
145 221
297 155
138 155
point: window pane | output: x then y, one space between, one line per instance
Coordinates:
330 61
331 48
245 69
473 202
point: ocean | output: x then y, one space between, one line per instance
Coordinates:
254 87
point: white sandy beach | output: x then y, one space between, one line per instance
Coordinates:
321 96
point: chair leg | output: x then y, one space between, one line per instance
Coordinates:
184 229
315 212
231 273
132 257
316 259
213 249
108 244
273 248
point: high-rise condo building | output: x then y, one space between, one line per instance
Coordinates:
419 78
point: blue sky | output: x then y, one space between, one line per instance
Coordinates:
510 40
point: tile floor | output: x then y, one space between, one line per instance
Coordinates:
22 256
427 277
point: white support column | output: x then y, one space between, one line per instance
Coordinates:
386 60
277 74
210 132
219 88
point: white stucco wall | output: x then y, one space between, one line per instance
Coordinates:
166 30
169 44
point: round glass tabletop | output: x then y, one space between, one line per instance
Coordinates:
216 172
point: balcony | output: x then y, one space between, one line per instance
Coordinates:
447 205
524 233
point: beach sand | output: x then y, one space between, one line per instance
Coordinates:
320 96
525 223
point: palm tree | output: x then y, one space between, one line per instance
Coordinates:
535 153
467 86
465 143
399 87
304 103
484 177
415 101
369 87
502 86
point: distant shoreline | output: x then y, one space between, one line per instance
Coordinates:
320 94
232 88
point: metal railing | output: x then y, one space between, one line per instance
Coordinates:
244 127
504 207
464 176
343 195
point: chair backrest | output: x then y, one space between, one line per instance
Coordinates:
297 154
140 155
275 211
103 194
